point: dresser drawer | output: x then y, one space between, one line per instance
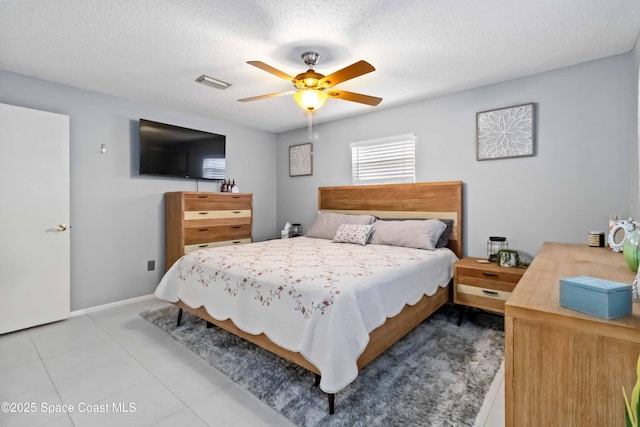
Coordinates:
212 202
217 222
191 248
235 213
216 234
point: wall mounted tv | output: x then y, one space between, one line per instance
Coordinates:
180 152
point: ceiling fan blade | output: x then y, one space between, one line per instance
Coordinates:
270 69
271 95
347 73
355 97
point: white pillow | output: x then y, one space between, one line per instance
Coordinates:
353 233
418 234
327 223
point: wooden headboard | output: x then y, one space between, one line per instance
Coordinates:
421 200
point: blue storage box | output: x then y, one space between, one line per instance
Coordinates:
598 297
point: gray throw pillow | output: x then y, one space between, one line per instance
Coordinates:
443 241
418 234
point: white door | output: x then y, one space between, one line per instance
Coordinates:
34 217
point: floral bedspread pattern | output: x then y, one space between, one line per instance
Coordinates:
309 295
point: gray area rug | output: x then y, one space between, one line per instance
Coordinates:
437 375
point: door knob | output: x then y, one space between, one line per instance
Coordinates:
61 227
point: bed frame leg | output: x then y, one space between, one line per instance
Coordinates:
317 381
179 317
209 324
332 400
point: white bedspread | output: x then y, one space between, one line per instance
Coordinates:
309 295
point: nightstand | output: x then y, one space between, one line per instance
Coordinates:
483 285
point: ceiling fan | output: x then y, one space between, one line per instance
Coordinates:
313 89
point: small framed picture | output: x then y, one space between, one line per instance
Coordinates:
301 159
505 133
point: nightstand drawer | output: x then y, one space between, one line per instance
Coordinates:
485 282
481 297
482 292
494 276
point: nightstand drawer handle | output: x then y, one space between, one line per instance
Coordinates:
494 293
236 242
203 246
236 212
202 197
202 229
490 274
235 226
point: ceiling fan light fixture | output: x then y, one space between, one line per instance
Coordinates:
310 99
310 81
210 81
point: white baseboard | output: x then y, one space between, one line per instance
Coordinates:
110 305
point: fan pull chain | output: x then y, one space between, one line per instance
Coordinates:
310 126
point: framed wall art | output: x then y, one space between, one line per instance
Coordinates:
505 133
301 159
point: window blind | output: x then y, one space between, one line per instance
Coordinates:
384 160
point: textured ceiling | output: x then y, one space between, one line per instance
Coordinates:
153 50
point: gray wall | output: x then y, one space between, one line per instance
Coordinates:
117 216
584 169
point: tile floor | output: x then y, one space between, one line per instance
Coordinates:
115 368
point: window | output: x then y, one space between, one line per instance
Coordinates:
384 160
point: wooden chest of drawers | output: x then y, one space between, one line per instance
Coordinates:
204 220
563 367
483 285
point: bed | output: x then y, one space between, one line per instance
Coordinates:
328 307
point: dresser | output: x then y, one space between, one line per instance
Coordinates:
563 367
195 220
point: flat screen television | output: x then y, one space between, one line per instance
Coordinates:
170 150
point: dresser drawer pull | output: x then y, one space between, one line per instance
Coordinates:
237 241
494 293
490 274
203 213
202 246
202 229
236 212
236 197
235 226
201 196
